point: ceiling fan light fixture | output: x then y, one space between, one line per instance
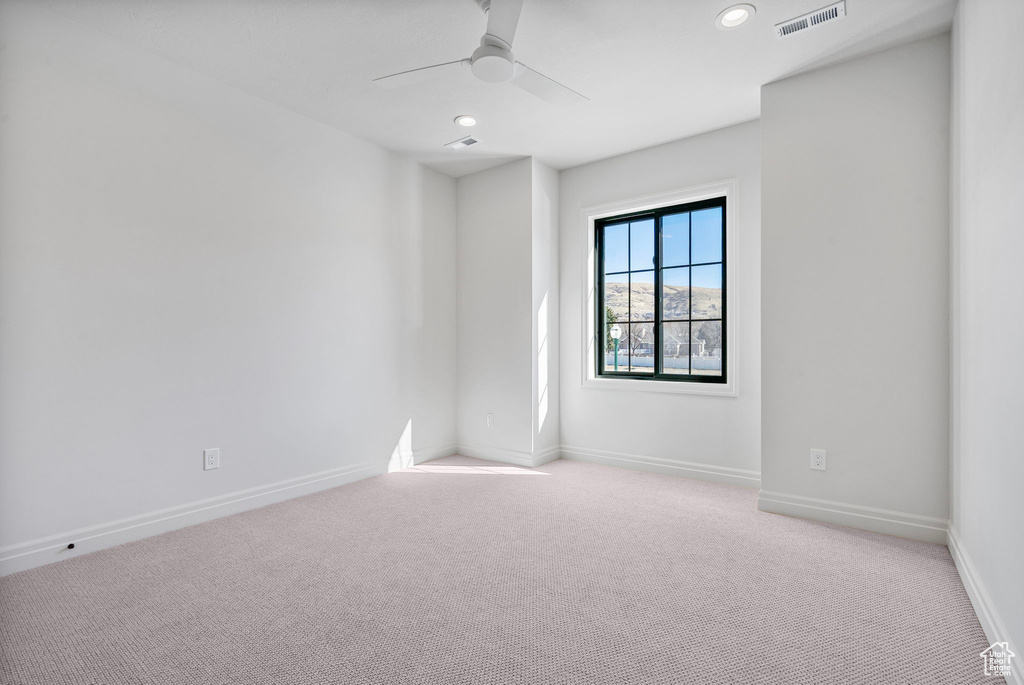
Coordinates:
492 63
734 16
465 120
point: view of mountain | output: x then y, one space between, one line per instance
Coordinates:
707 302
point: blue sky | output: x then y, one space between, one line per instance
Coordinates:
706 228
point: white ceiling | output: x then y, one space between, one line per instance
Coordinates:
654 70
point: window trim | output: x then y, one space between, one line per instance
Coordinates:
589 217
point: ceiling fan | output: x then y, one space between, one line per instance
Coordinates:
493 60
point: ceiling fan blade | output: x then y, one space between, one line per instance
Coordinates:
421 75
503 19
546 89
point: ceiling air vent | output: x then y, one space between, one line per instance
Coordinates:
462 142
809 21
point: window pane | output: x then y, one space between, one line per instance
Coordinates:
675 348
687 337
675 239
706 348
641 347
706 227
616 248
675 293
641 244
611 360
641 296
707 292
616 296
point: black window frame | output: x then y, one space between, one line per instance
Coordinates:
657 214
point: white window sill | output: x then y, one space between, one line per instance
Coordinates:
675 387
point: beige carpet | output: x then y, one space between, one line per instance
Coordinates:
464 571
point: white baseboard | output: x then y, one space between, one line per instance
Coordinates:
670 467
425 454
547 456
507 456
991 623
26 555
915 526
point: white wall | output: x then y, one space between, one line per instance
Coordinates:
495 312
854 299
692 435
546 395
988 328
184 266
508 313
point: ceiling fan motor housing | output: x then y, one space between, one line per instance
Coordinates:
493 61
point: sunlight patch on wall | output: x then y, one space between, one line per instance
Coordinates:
401 456
542 363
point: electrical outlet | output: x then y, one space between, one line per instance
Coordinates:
211 458
818 460
490 420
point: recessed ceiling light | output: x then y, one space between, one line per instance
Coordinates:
465 120
731 17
